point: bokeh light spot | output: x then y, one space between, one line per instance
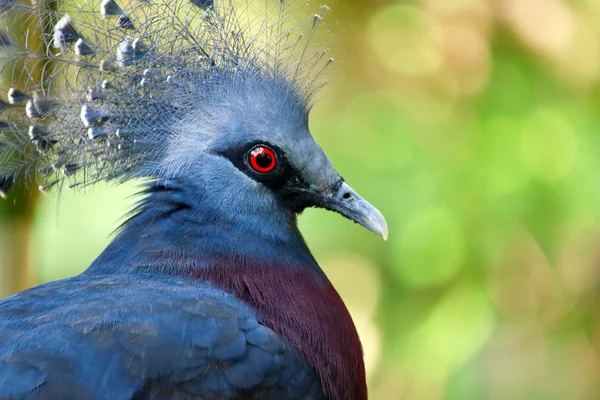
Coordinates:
376 117
356 279
468 57
370 338
431 249
502 166
457 328
550 30
548 145
579 64
406 39
450 6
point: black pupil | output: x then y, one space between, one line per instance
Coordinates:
264 160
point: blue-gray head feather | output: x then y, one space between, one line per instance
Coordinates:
140 89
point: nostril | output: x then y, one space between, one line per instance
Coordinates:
347 196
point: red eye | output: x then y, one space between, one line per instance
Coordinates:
262 159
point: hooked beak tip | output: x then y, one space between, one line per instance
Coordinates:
378 224
384 234
362 212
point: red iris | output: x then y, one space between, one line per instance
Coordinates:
262 159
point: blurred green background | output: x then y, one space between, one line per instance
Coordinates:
474 125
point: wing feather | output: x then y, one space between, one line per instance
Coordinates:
122 337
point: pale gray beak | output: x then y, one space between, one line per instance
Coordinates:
352 206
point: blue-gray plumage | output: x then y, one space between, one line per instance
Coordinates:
133 336
209 290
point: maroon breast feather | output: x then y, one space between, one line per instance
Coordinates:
303 307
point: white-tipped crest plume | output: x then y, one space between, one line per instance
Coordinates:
98 98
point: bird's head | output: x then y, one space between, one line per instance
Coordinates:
259 155
211 95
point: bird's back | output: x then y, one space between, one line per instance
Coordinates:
143 337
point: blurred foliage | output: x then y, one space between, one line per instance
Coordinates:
473 126
17 214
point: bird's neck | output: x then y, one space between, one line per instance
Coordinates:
172 225
258 256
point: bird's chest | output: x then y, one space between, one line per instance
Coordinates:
304 309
